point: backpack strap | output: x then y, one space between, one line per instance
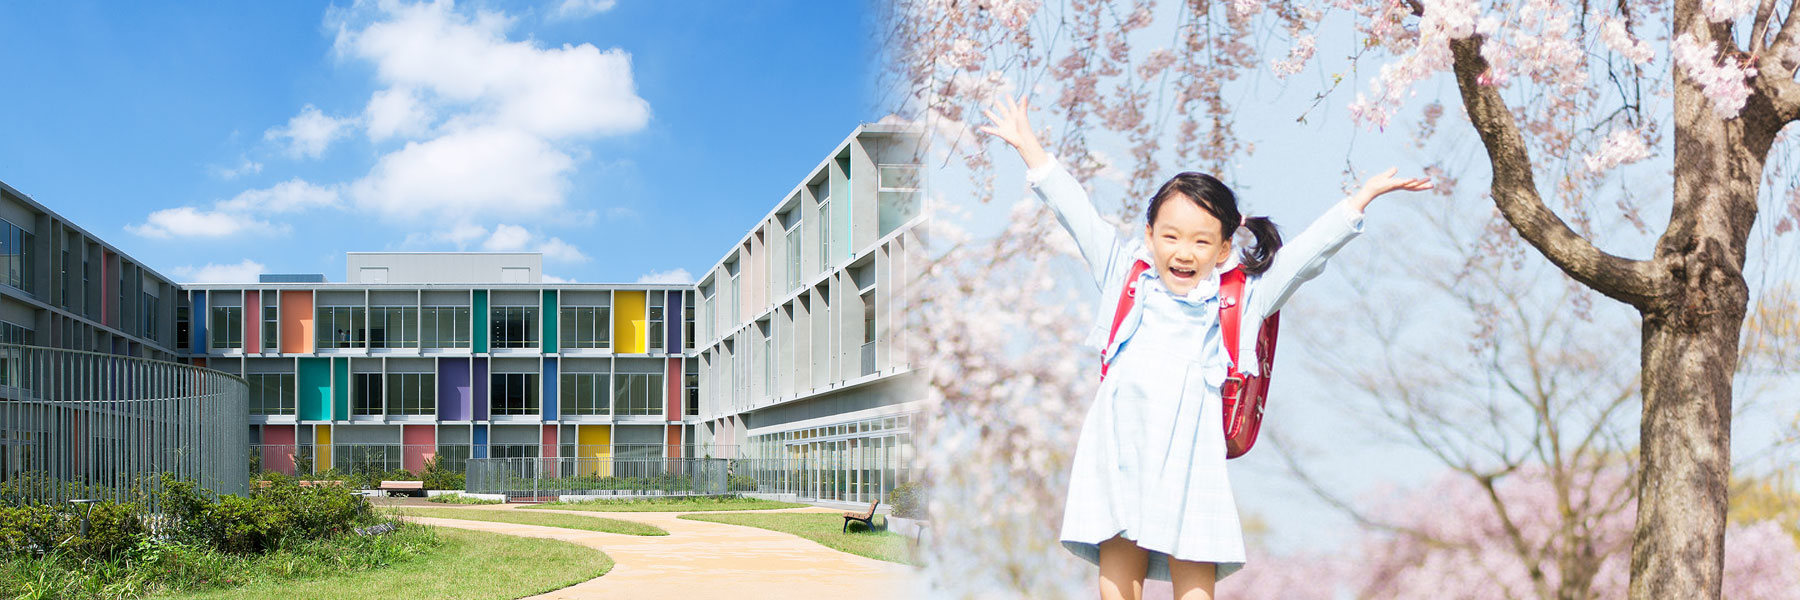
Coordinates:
1231 314
1127 298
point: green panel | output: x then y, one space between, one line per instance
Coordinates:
340 396
480 335
549 327
314 385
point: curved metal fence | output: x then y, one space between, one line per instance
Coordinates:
85 425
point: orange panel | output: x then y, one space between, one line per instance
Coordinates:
297 321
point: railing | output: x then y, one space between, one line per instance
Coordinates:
543 477
868 358
85 425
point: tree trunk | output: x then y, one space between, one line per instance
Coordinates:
1690 349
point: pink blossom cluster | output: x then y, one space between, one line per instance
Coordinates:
1622 147
1724 83
1720 11
1296 58
1444 20
1614 35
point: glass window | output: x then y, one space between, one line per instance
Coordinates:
445 326
271 327
638 393
584 394
339 327
182 325
365 394
687 315
393 327
271 393
656 323
514 326
586 327
227 326
412 393
513 393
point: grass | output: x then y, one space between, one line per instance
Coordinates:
508 567
565 521
169 567
687 504
459 499
824 528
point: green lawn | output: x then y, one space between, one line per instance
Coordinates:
468 564
824 528
564 521
688 504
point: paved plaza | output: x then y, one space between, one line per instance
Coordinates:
712 560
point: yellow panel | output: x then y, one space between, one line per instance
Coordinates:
321 447
594 450
630 324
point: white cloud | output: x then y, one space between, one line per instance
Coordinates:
507 238
514 238
676 276
244 167
308 134
396 112
555 279
581 9
554 92
293 195
467 175
493 124
558 250
190 222
243 272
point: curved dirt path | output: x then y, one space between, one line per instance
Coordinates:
699 559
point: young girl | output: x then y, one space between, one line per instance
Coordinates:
1149 494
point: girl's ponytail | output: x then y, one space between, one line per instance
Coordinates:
1257 259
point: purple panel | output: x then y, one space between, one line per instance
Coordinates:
672 319
453 389
481 389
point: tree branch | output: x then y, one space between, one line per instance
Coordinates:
1633 282
1759 29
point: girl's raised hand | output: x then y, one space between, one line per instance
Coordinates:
1013 126
1386 182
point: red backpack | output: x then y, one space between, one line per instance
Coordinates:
1243 395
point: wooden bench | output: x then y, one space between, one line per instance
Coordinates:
865 518
403 486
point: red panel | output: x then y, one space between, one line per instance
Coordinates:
252 317
672 407
549 440
674 441
419 442
278 449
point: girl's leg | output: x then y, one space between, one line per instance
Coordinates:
1193 580
1122 568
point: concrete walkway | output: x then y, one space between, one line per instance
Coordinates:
710 560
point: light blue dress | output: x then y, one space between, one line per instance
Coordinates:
1150 462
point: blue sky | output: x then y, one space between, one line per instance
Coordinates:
622 138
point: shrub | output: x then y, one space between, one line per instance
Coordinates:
279 511
908 500
438 476
112 529
741 483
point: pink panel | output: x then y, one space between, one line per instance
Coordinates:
549 440
252 317
420 442
278 449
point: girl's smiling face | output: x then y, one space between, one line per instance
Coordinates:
1187 244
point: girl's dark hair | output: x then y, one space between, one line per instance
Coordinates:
1213 197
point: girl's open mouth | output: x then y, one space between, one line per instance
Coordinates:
1182 273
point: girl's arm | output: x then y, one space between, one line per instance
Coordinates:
1095 237
1304 257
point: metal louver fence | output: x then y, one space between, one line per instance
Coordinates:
77 424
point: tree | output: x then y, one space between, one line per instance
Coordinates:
1565 98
